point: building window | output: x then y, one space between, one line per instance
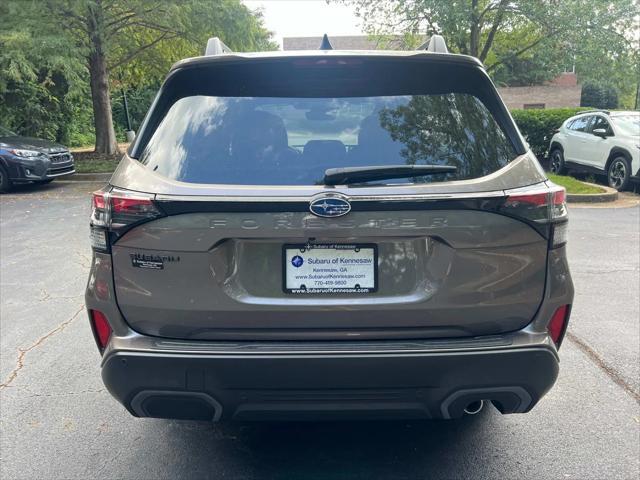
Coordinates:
529 106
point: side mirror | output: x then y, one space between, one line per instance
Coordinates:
600 132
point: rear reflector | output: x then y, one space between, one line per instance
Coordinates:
558 324
101 328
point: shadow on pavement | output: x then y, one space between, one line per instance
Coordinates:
353 450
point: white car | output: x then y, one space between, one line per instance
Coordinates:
600 142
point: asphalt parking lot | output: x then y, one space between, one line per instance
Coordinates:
57 421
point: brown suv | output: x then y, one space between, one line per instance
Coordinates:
328 234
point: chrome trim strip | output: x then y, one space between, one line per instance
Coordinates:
53 175
352 199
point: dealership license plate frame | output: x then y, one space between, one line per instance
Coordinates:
330 290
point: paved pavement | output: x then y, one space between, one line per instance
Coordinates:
57 421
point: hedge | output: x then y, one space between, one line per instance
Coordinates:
538 125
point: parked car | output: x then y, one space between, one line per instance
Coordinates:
328 234
28 159
600 142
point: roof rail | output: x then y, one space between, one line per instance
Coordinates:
594 110
436 44
215 46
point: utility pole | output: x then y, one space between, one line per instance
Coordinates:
129 133
126 108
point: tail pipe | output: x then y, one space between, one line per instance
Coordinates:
474 407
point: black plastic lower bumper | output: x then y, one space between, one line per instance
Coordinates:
39 171
328 385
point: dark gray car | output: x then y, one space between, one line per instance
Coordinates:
31 160
328 234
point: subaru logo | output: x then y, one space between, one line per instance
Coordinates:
297 261
330 207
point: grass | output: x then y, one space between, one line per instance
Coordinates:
574 186
95 163
87 161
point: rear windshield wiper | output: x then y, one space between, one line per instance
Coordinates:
346 175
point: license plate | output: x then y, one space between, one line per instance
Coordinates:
334 268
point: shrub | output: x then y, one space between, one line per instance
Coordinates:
538 125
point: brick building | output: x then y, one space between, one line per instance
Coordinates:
563 91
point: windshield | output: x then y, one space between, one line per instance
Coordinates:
628 124
293 141
5 132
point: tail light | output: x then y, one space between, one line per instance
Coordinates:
546 207
558 324
116 211
101 328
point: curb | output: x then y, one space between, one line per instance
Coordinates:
88 177
609 195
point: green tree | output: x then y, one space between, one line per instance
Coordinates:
430 129
498 32
135 39
599 96
37 82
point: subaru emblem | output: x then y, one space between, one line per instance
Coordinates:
329 206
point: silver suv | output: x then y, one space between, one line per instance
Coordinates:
328 234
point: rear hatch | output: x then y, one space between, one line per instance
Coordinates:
226 221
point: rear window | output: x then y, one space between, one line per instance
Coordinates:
293 140
628 124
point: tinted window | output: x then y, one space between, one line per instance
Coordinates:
580 124
292 141
600 122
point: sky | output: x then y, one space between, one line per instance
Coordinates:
305 18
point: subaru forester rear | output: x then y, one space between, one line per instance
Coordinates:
328 234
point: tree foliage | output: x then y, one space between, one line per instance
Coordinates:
522 42
58 56
599 96
428 123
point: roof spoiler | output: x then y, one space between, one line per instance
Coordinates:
435 44
215 46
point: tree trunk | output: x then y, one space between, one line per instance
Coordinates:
103 122
99 80
474 27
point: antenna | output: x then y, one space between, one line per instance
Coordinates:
437 44
215 46
326 44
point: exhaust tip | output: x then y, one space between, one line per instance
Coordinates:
474 407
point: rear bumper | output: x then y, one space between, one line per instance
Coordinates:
331 380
